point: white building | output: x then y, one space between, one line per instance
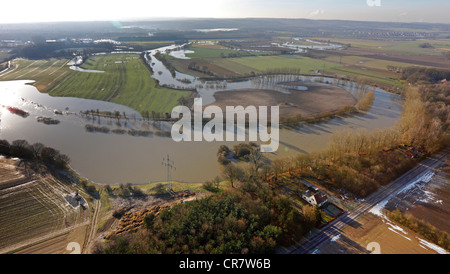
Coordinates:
315 198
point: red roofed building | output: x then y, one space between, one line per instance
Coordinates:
315 198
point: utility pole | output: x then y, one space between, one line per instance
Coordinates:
169 164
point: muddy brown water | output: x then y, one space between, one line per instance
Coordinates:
117 157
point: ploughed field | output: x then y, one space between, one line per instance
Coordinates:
319 98
33 207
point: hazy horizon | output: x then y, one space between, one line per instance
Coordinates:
400 11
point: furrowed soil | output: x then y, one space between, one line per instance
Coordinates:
370 228
319 98
34 214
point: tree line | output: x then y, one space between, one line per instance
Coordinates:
40 50
360 161
422 228
423 74
37 151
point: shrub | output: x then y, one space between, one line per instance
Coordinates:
4 147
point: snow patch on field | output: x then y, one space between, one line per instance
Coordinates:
315 251
429 198
419 184
378 208
335 238
436 248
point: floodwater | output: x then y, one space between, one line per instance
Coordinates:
119 157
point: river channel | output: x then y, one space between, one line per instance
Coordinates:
122 155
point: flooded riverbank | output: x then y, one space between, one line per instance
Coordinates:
109 158
108 150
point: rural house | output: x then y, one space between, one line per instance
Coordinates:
315 197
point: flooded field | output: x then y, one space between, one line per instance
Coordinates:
130 150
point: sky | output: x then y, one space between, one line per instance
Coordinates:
26 11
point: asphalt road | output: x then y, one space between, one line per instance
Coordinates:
313 243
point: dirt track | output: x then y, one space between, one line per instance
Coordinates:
317 99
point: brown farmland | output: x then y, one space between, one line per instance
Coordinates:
319 98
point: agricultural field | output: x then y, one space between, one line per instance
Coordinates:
126 80
216 51
380 62
321 98
331 63
208 52
34 212
271 63
249 65
46 72
378 77
4 54
428 200
407 47
368 63
369 229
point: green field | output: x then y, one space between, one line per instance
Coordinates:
268 63
350 66
406 47
208 52
201 51
126 81
366 62
46 72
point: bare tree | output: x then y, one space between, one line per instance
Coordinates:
233 174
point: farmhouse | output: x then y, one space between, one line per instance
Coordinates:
315 197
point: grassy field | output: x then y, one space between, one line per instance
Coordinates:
46 72
351 66
407 47
126 80
366 62
242 66
374 76
204 52
268 63
215 51
4 54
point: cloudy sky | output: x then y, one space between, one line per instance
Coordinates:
434 11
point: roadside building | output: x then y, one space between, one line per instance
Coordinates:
315 197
